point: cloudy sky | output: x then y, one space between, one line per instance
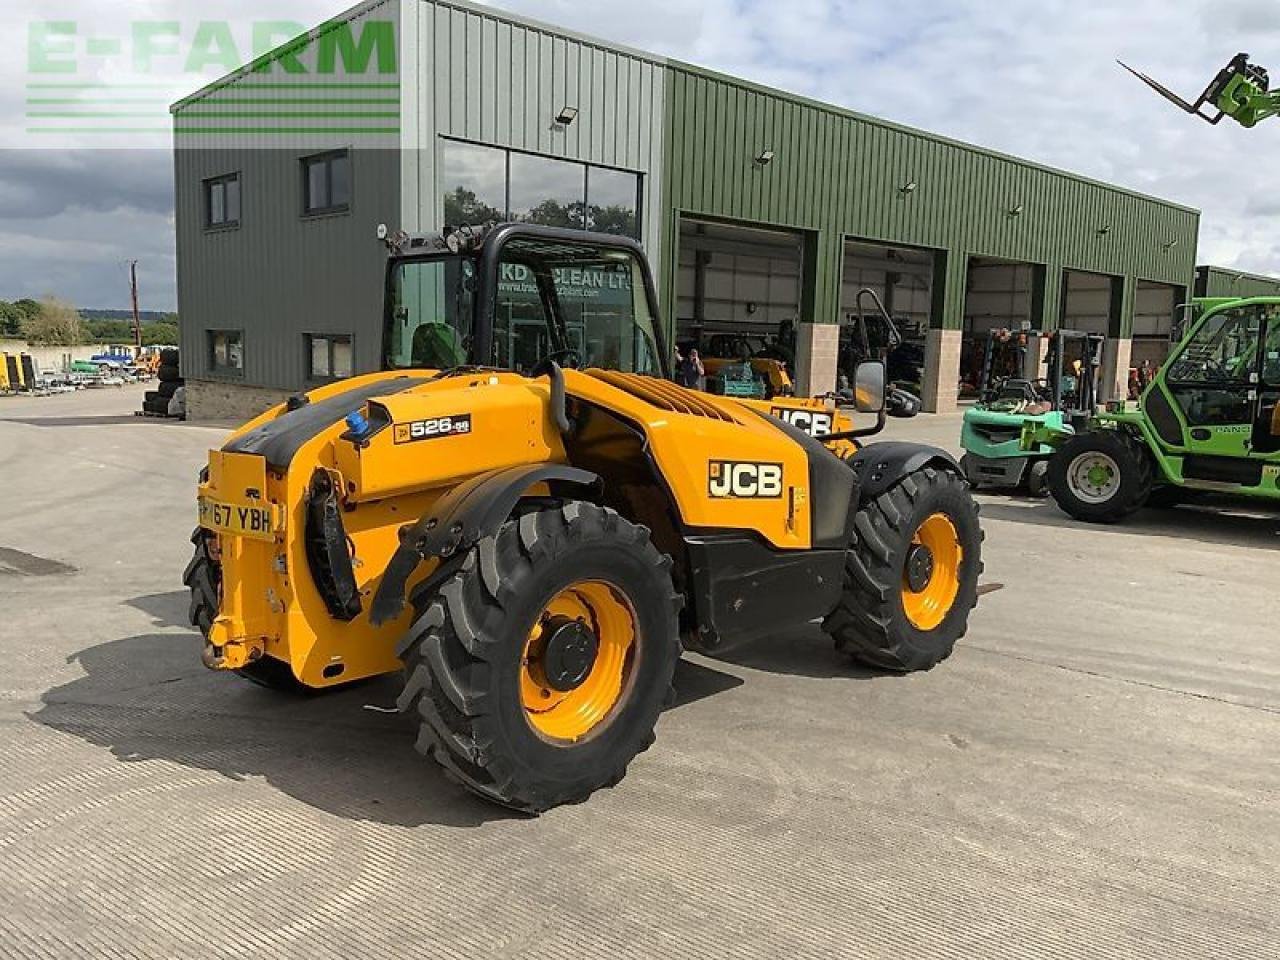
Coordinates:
1035 78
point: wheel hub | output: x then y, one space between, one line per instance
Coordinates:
919 567
570 653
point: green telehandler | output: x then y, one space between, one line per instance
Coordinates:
1241 91
1208 421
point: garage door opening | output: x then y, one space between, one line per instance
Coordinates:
1090 302
903 278
999 295
1155 316
738 292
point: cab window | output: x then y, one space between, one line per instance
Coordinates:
572 302
1213 375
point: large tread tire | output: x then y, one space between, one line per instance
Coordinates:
870 623
203 577
462 655
1137 474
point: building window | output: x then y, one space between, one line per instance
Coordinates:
330 356
550 192
222 202
481 184
226 351
326 181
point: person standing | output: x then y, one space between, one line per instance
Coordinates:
690 372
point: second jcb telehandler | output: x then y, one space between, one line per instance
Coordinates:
525 515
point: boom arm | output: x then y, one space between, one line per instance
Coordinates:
1241 91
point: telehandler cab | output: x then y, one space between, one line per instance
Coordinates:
526 515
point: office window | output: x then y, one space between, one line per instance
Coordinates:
480 184
222 202
226 351
474 182
330 356
550 192
613 197
327 182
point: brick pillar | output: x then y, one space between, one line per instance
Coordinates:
941 371
817 353
1113 383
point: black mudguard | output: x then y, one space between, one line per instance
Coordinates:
468 513
880 466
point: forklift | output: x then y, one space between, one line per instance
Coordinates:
992 431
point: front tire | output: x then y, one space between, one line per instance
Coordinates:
1101 476
911 574
538 668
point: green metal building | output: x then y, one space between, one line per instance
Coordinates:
1224 282
761 211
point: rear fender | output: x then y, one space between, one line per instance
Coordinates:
881 466
468 513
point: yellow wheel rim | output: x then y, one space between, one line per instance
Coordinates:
566 690
931 574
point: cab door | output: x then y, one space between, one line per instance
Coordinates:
1265 440
1214 382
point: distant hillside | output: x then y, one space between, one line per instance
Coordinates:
148 316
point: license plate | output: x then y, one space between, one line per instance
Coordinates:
252 521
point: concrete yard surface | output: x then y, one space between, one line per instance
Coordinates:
1092 774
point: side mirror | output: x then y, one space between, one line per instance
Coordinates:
869 386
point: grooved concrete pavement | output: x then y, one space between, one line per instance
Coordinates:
1093 774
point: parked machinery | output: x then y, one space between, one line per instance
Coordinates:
1209 421
531 548
991 432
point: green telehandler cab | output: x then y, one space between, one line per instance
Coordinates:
1208 421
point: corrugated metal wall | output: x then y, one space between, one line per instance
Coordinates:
1221 282
484 78
840 175
280 275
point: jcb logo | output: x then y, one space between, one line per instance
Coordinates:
750 481
812 422
433 428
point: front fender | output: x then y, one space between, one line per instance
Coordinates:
882 465
471 511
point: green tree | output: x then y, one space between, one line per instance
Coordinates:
462 207
10 320
57 324
29 308
162 333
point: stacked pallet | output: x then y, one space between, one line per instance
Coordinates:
168 399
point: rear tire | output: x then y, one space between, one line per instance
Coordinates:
203 577
473 678
883 619
1101 476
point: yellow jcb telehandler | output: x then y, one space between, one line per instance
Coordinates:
526 516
